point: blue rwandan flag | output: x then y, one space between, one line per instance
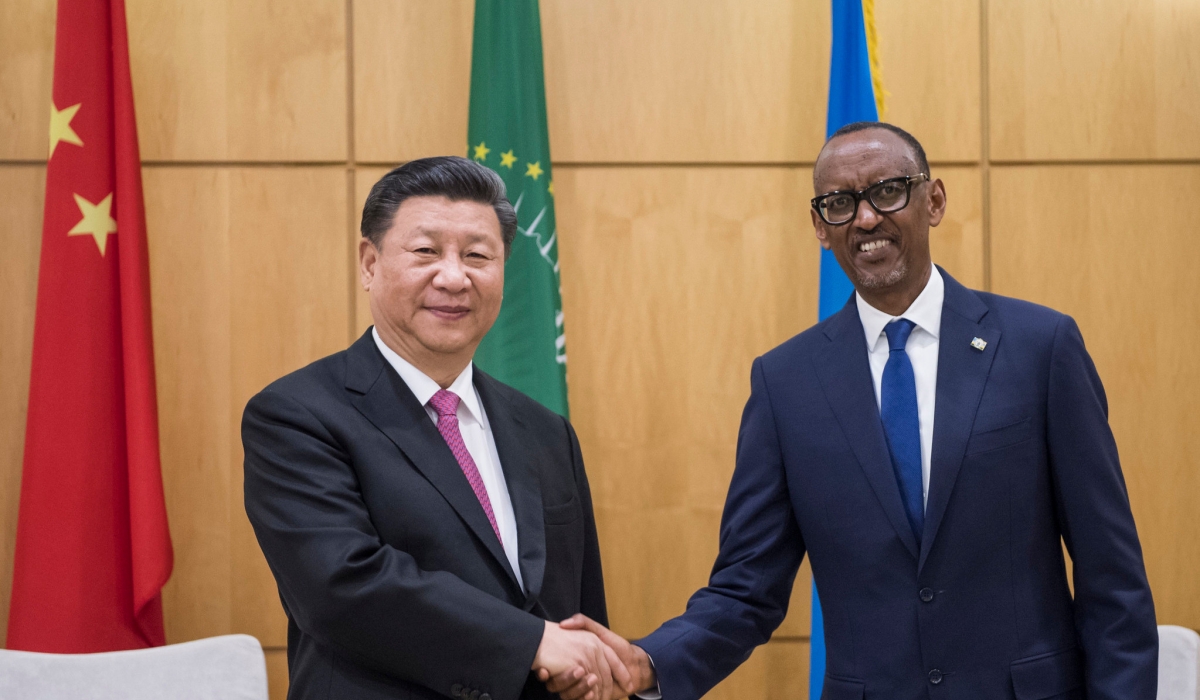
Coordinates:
853 97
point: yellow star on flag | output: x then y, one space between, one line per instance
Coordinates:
60 126
507 159
97 221
481 151
533 170
550 188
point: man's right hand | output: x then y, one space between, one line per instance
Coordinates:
578 656
640 672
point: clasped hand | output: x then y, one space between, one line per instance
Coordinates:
580 659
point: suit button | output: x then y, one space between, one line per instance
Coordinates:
456 690
935 676
926 595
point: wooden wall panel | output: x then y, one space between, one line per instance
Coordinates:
188 223
1093 79
249 281
412 78
277 673
777 671
686 80
223 80
1114 246
26 72
21 196
674 279
787 670
679 82
930 67
957 244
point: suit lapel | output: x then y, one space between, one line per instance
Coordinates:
845 374
385 400
524 485
962 373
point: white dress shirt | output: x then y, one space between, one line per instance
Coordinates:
477 436
922 349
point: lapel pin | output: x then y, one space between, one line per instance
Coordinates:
979 344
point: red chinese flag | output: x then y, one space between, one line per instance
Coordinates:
93 548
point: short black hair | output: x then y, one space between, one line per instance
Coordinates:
452 177
913 143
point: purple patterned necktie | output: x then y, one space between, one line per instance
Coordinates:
446 405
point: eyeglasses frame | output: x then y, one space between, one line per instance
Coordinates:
860 195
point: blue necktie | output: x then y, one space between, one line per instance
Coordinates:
898 409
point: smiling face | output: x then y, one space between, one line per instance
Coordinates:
436 282
884 255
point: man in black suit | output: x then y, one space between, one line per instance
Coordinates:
427 525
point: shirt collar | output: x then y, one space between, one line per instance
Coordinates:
424 388
925 311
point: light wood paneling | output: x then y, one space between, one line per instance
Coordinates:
26 72
412 78
716 80
249 281
957 244
787 670
930 66
1088 79
686 80
188 223
674 279
277 673
241 81
21 194
1115 247
777 671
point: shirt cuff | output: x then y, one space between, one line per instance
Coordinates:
654 693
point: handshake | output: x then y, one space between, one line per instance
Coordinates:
580 659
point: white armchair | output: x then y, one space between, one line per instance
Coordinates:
1178 663
231 667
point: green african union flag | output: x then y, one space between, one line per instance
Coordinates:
526 348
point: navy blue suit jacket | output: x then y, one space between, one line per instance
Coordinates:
980 610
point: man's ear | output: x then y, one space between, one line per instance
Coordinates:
368 256
819 229
937 202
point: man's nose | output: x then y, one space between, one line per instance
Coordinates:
451 274
865 217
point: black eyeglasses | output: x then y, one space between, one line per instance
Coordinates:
887 196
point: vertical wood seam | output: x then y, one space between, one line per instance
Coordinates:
985 170
351 177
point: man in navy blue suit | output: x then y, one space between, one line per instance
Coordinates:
928 447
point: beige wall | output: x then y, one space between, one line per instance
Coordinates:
683 132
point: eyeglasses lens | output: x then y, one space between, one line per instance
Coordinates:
839 208
889 196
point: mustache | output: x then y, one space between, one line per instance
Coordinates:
858 235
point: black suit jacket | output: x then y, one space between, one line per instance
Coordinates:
393 581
